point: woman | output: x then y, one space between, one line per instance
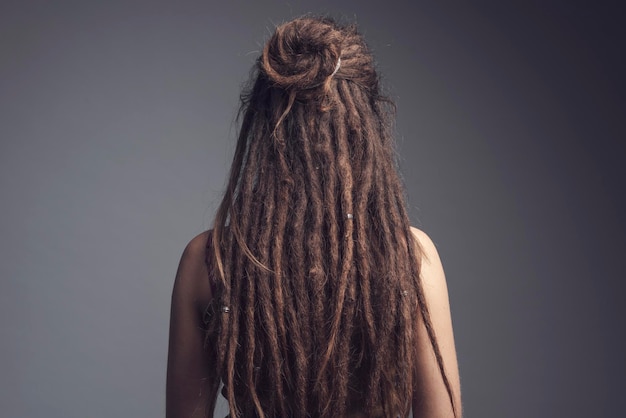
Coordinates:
312 296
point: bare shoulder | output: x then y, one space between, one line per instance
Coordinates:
196 247
430 261
431 399
192 277
432 274
187 362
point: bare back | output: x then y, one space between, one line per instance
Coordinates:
187 359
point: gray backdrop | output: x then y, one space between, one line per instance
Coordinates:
116 128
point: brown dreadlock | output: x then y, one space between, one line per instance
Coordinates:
316 269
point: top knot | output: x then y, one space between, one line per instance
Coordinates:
302 54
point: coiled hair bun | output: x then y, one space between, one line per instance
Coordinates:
302 54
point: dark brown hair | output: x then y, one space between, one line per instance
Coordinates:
316 269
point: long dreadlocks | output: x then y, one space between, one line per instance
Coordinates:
316 269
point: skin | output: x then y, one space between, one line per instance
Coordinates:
186 382
431 398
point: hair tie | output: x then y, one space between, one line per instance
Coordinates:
336 67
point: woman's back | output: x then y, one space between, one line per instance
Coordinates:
188 375
317 307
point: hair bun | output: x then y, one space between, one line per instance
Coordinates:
302 54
